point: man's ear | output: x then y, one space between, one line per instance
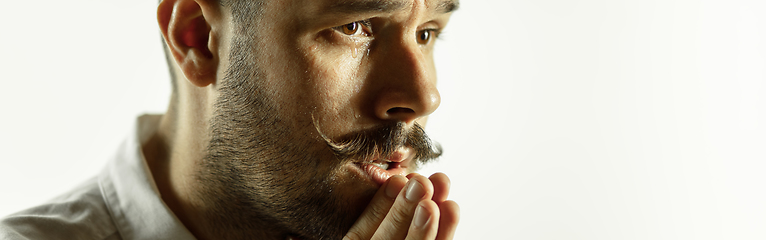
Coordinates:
188 35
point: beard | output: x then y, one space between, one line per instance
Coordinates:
265 175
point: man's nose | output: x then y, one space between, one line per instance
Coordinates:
406 81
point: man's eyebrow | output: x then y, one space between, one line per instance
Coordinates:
367 6
448 6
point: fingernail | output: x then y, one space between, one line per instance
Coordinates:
414 191
391 189
421 216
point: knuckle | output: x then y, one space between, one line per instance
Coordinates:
378 211
352 236
400 216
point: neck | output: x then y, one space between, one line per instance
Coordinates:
173 152
174 155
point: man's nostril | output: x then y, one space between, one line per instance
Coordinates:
399 110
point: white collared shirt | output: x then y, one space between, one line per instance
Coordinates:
122 202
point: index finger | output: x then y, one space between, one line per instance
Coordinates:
376 211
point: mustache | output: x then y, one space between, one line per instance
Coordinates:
382 141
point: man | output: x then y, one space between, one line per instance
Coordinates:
289 119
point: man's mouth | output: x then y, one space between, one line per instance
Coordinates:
379 170
381 165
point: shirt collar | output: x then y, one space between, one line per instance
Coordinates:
131 194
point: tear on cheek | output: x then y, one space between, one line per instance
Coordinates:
360 48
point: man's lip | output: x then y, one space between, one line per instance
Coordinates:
400 155
377 174
398 163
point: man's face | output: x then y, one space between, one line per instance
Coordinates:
321 102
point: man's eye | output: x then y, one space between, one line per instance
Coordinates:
351 28
425 36
354 28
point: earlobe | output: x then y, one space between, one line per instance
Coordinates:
187 33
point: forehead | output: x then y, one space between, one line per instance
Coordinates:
363 7
438 6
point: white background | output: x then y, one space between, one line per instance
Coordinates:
561 119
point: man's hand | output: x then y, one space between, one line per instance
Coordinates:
419 210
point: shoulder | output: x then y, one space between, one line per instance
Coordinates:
78 214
